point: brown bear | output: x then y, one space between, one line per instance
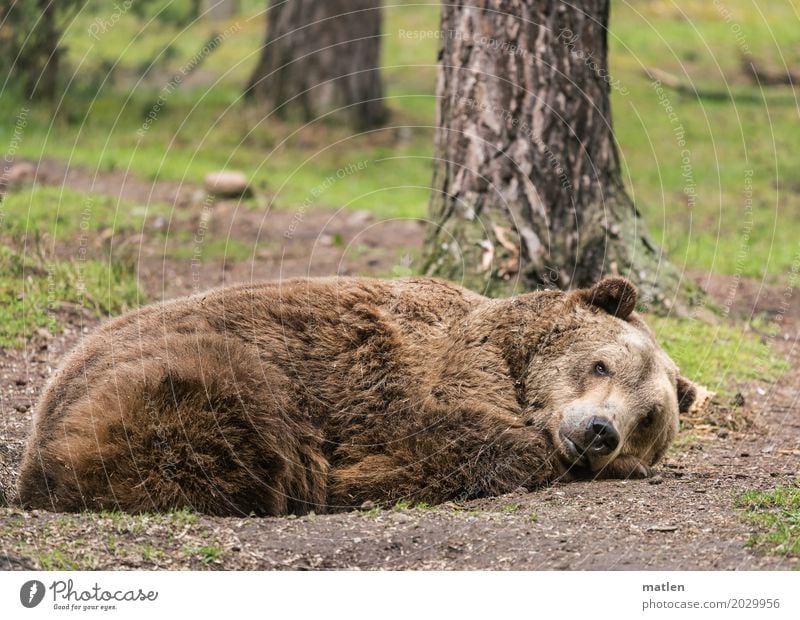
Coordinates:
320 394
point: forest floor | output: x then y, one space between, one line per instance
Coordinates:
709 507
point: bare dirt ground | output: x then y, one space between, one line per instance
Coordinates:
685 518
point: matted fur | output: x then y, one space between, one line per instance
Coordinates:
319 394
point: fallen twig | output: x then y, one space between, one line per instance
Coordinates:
769 77
685 87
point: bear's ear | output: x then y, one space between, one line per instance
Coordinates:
687 393
615 295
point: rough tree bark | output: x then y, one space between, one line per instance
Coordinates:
320 56
527 187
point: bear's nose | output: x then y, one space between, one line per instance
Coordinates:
601 436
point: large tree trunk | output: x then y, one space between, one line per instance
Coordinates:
321 56
527 188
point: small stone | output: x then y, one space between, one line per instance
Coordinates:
656 480
359 218
21 407
227 184
368 505
44 333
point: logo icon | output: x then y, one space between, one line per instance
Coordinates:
31 593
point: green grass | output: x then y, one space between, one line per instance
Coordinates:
33 291
206 553
741 152
205 125
718 356
230 249
68 216
403 504
684 441
59 559
152 554
776 513
124 522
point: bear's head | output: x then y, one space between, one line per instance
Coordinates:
611 394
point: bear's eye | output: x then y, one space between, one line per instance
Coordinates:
647 421
600 369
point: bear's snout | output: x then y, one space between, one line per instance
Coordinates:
594 439
600 436
588 436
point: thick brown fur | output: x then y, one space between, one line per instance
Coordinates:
321 394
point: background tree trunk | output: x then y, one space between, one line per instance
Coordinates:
319 56
527 188
29 45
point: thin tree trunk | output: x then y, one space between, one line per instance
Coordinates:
527 188
49 53
320 56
